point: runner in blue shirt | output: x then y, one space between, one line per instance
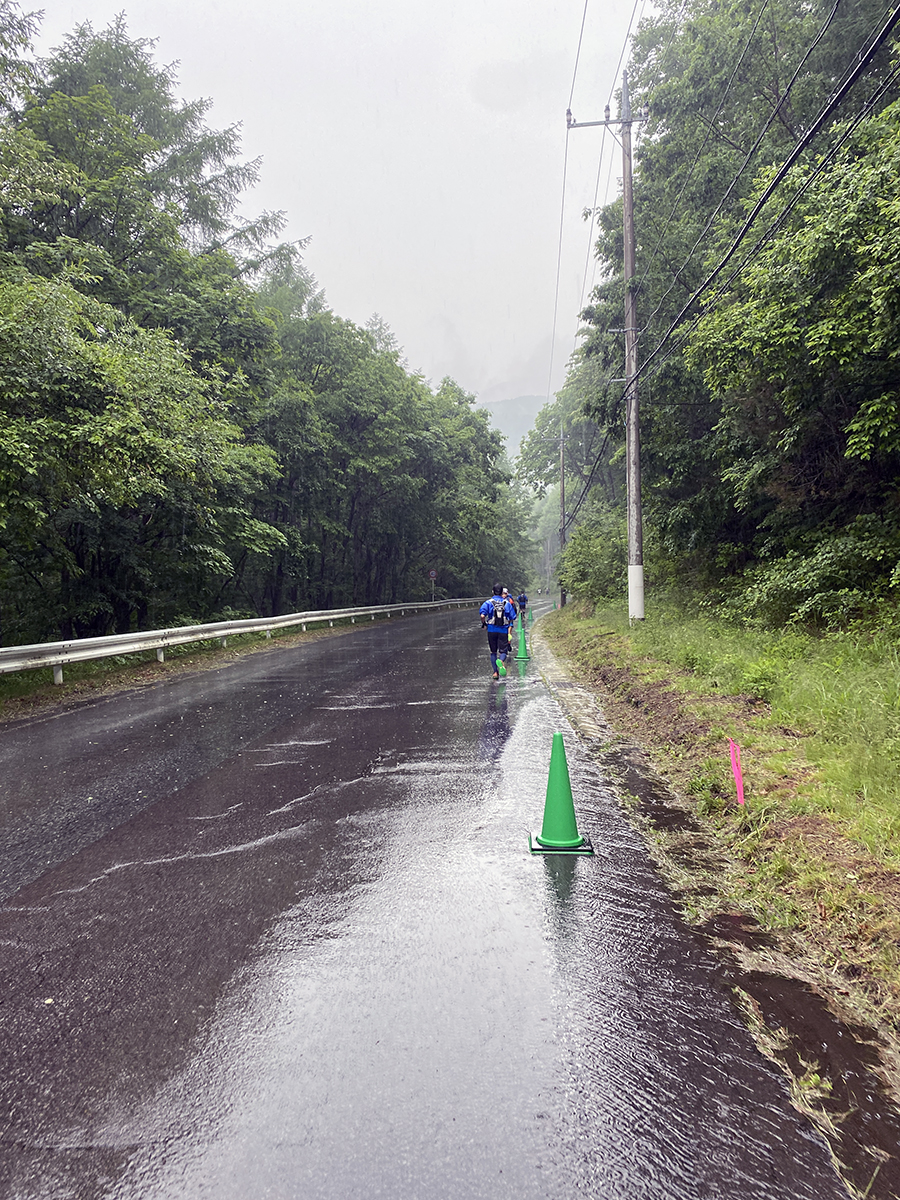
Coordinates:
509 599
497 614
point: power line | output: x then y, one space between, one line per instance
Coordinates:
563 210
590 245
772 229
832 103
569 518
748 158
562 213
709 130
782 216
578 52
602 148
814 174
563 520
565 170
863 58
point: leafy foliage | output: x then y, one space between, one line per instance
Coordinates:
596 560
108 434
770 435
186 428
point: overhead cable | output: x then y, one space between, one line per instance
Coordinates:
833 102
710 126
748 158
863 58
785 212
587 258
578 52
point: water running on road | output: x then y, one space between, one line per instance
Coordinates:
417 1007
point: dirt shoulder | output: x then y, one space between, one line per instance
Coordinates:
803 920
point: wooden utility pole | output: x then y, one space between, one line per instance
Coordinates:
632 421
562 505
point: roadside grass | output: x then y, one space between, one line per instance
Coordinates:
837 694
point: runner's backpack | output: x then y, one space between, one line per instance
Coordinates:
500 617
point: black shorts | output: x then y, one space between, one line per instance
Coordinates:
498 640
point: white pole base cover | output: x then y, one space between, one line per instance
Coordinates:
635 593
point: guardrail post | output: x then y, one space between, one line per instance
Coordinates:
223 642
160 654
57 674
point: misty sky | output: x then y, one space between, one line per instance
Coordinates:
420 145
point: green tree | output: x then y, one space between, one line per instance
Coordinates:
803 357
188 429
17 28
731 87
190 168
107 437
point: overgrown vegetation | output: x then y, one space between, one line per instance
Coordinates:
768 366
768 314
769 387
839 691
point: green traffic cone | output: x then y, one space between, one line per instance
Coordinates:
522 652
559 833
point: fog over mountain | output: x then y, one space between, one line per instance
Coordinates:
514 418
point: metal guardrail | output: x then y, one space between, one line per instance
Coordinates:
58 654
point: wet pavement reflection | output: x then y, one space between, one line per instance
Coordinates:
274 930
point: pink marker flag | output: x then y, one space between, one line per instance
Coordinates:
736 768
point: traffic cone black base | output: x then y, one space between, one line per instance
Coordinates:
536 848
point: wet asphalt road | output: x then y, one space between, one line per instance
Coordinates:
274 931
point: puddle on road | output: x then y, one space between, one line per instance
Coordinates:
478 1023
407 1003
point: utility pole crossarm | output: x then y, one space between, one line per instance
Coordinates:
642 116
